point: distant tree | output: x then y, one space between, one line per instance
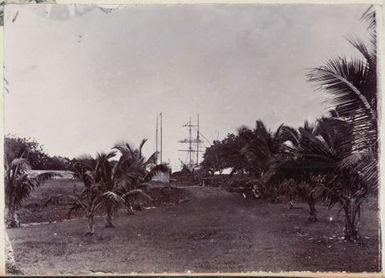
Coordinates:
259 147
57 163
31 149
213 158
34 152
225 154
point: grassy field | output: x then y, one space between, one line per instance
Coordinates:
199 229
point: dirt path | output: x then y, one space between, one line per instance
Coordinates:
213 231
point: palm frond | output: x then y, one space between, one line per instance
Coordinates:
125 150
76 205
343 80
152 159
160 168
290 134
144 140
21 163
103 170
110 198
136 192
365 52
363 166
370 17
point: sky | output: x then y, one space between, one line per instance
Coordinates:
81 79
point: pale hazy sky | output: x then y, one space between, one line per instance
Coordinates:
80 84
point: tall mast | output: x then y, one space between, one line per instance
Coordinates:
198 141
189 141
156 140
193 144
161 137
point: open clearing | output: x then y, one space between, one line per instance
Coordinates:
209 230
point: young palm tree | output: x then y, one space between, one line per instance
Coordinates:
110 184
259 148
19 182
289 170
356 178
343 177
260 145
96 194
133 171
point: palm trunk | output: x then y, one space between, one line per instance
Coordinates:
10 263
312 209
91 224
13 221
109 216
351 220
291 201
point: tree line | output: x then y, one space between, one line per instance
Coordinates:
37 156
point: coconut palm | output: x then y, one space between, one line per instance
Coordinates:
357 178
259 148
96 194
260 145
324 161
19 182
110 184
133 171
352 85
290 171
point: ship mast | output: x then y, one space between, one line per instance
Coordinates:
159 138
198 141
156 140
193 144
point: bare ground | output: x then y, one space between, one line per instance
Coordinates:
210 230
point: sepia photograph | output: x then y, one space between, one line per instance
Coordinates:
191 138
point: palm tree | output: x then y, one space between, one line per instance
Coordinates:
260 145
110 184
324 160
259 148
352 85
356 180
19 182
96 194
296 169
133 171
